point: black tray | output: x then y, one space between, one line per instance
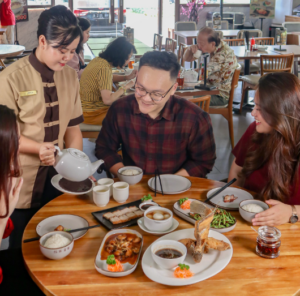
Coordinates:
99 216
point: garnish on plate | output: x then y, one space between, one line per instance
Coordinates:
183 271
113 264
146 197
222 219
185 203
195 216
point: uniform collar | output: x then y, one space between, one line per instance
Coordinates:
46 73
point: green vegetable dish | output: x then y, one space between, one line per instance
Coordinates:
222 219
146 197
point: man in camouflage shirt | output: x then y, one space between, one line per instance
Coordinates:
221 66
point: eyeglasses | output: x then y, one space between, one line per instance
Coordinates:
155 97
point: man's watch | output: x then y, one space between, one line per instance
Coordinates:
294 217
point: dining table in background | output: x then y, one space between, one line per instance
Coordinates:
9 50
246 273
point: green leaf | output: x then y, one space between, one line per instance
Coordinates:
111 260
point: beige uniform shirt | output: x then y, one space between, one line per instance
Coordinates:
46 103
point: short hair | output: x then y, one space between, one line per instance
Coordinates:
118 51
59 25
83 23
212 35
161 60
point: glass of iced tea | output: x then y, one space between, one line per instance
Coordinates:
180 81
130 64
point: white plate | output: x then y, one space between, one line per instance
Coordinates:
171 184
191 84
100 265
184 214
55 183
67 221
211 263
143 227
218 199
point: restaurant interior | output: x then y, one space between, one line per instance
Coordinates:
99 218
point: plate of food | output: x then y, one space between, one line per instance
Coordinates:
261 12
207 254
171 184
222 222
75 188
120 216
229 199
118 71
62 223
119 253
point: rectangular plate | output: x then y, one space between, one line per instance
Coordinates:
99 216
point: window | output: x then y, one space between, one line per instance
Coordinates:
39 3
218 1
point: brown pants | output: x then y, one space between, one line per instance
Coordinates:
95 117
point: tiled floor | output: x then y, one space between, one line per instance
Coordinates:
220 127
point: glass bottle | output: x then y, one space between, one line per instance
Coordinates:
268 242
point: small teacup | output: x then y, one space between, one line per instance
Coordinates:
120 191
101 195
107 182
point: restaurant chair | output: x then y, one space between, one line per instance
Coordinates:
202 102
90 130
181 50
170 45
226 111
264 41
268 64
171 33
252 33
235 42
157 42
224 24
184 26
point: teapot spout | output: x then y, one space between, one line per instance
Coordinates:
95 165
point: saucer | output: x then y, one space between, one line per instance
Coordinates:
141 225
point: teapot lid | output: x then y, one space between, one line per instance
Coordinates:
78 154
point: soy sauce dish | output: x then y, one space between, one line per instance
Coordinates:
167 254
144 206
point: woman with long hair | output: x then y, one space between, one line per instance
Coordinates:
44 95
77 62
267 155
97 80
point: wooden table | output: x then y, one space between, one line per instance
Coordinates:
190 35
246 274
9 50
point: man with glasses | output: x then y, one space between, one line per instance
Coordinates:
221 66
157 130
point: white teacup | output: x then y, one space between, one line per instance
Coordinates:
101 195
107 182
120 191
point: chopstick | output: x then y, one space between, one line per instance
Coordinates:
155 182
220 190
70 231
162 191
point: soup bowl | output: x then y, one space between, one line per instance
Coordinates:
56 253
168 244
158 225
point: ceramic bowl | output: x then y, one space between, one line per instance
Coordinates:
158 225
170 244
131 180
226 229
248 216
57 253
148 202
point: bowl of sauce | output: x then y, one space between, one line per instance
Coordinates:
147 204
167 254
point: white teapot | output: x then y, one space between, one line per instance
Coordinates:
75 165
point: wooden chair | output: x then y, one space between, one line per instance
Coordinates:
90 130
170 45
226 112
264 41
157 42
235 42
182 48
252 33
202 102
268 64
171 33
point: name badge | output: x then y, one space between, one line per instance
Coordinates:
27 93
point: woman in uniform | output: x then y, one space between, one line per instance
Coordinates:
44 93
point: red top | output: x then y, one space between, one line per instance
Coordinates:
7 16
8 229
259 178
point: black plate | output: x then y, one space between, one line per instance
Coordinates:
99 216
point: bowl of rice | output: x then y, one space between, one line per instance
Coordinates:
56 244
248 208
130 174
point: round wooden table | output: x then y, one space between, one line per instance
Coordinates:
246 274
9 50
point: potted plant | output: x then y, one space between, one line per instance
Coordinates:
192 10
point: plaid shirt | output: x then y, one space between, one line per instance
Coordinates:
180 137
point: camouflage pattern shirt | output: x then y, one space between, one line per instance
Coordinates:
221 68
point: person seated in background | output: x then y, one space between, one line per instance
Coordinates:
267 156
221 66
97 79
157 130
7 21
77 62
